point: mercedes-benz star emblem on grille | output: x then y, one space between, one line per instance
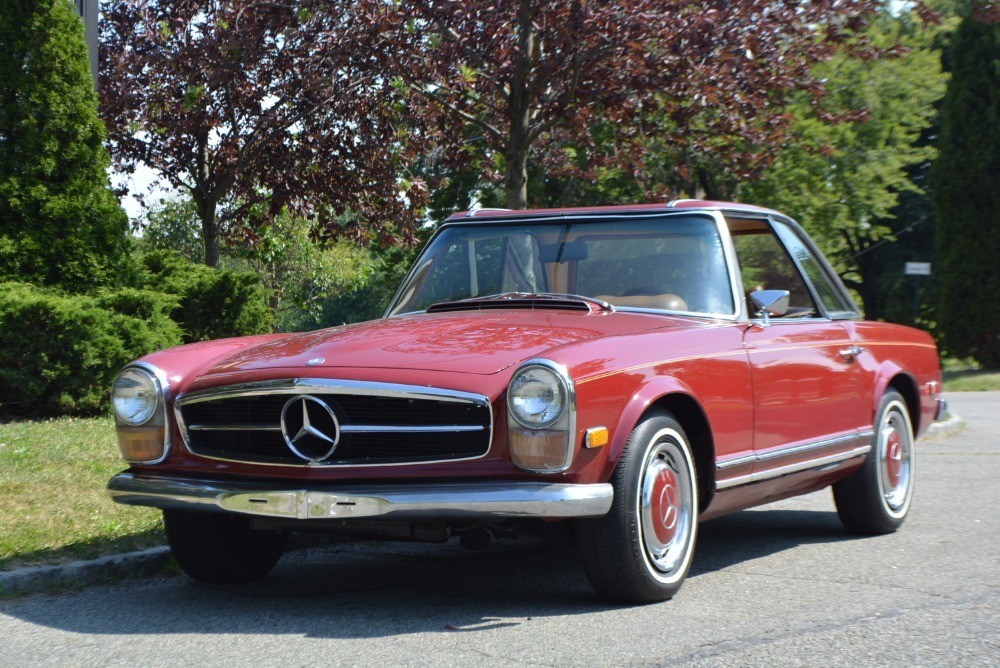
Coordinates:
310 428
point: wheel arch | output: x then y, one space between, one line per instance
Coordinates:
907 387
689 413
671 395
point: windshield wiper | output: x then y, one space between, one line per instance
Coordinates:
548 300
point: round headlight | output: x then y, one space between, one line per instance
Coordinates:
537 397
134 396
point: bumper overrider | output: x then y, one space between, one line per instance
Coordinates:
418 501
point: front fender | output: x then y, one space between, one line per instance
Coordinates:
648 392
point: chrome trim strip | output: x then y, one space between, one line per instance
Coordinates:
347 429
330 386
233 427
793 468
815 445
406 501
292 386
379 429
795 450
735 461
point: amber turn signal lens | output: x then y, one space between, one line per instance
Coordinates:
596 437
141 444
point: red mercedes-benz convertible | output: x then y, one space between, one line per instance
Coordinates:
633 370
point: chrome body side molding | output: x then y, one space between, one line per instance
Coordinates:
768 465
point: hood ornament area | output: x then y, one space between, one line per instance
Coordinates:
310 428
315 361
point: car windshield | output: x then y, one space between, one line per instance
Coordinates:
671 263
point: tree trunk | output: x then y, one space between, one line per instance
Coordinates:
516 176
209 228
519 111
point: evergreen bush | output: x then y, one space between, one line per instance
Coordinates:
212 303
60 223
59 353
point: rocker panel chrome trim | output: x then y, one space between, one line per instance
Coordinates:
793 450
797 467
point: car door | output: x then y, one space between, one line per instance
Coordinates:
808 406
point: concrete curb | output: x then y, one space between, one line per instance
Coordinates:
155 560
144 563
952 425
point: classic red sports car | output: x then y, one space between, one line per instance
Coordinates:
634 370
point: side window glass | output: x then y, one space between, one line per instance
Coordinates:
828 293
765 265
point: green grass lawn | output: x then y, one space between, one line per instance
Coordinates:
53 504
971 381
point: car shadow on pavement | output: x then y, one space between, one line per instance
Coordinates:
751 534
375 590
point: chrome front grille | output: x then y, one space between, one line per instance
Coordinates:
361 424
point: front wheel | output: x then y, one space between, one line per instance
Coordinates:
213 547
876 498
640 552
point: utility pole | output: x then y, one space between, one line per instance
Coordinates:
87 9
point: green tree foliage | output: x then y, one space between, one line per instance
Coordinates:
300 272
842 179
212 303
370 297
60 224
59 353
173 224
966 191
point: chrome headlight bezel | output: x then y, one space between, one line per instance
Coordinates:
149 393
550 378
147 432
543 445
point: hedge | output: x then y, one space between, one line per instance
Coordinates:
212 303
59 353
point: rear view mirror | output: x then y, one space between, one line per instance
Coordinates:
570 251
769 302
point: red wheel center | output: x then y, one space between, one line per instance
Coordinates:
894 460
665 506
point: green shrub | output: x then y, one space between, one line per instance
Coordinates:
59 353
213 303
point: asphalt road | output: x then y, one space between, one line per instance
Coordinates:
782 585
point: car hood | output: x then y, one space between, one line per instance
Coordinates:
467 342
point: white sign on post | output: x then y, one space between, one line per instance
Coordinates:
918 269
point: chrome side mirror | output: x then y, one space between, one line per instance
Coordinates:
768 303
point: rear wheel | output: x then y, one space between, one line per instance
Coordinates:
875 499
641 551
212 547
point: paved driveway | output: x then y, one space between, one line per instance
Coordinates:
781 585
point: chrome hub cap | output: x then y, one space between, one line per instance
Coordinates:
665 507
895 453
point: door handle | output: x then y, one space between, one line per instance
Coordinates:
848 354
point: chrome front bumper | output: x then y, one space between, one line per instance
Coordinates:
942 409
403 501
